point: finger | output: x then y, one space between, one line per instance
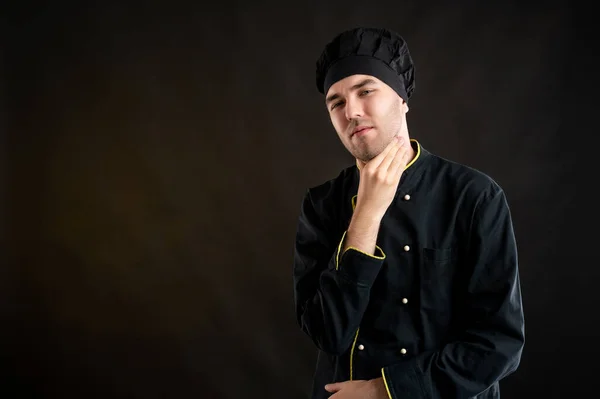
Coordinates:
333 387
391 155
336 386
400 160
379 158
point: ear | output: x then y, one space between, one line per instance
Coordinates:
405 106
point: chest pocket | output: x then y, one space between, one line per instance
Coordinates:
437 272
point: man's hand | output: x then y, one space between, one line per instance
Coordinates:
377 187
359 389
380 176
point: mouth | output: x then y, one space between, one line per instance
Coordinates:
361 130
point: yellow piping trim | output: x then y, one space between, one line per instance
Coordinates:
352 352
337 255
387 388
416 156
372 256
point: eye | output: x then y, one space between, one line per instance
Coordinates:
365 92
336 104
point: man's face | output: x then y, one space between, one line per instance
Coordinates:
366 113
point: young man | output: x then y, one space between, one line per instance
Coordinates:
405 267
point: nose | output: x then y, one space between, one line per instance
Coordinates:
353 109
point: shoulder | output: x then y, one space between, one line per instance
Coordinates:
323 204
466 179
332 189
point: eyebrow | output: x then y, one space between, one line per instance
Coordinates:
355 87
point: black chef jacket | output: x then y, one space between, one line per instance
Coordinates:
436 310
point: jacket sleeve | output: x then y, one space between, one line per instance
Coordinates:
489 343
331 287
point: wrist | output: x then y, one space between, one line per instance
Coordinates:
366 216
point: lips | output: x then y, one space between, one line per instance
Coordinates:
360 130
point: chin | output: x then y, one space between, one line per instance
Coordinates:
365 156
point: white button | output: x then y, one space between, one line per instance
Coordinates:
403 351
404 300
407 197
361 347
406 248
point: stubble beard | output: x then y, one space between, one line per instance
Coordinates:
392 128
365 153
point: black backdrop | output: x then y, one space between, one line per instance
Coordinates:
156 153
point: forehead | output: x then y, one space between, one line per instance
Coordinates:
349 82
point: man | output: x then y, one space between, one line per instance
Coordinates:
405 267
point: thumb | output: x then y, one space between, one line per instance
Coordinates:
333 387
360 164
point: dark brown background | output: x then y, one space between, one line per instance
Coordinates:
156 154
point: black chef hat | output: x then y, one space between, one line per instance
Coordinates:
369 51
